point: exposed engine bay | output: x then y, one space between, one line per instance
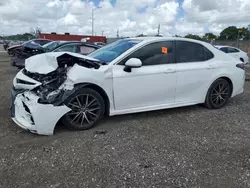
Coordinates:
51 87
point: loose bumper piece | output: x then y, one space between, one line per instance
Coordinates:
37 118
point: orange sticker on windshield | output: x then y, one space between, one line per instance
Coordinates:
164 50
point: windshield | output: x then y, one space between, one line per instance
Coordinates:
51 45
27 42
110 52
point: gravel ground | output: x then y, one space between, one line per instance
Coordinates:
182 147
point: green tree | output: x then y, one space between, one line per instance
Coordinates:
177 36
209 36
141 35
191 36
244 33
20 37
230 33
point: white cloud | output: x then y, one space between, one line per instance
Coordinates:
217 15
131 17
182 28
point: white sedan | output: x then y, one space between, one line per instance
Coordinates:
127 76
235 53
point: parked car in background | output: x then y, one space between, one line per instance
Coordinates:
126 76
18 57
12 49
101 44
5 45
234 52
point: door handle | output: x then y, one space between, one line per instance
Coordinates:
170 71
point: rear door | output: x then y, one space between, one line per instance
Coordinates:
194 71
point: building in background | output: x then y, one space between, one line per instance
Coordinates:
69 37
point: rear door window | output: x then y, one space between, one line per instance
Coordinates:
67 48
191 52
224 49
232 50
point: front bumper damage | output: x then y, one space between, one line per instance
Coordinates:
40 89
30 115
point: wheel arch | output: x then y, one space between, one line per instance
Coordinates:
229 81
97 89
220 77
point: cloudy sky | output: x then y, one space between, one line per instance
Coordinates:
131 17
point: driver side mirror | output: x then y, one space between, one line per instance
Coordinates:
132 63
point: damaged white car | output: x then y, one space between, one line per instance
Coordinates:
127 76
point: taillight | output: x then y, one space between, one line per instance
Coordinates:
241 66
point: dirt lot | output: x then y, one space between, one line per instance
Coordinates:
183 147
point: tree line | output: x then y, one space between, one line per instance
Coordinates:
230 33
34 33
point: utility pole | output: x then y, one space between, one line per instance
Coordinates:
92 18
117 35
92 22
102 32
238 37
159 28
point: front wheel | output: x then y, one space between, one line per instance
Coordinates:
87 108
218 94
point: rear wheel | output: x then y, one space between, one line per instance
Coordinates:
218 94
87 108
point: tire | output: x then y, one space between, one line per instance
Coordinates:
87 109
218 94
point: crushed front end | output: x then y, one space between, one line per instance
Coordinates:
37 98
32 108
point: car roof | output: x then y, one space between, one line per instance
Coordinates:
43 39
78 42
151 39
225 46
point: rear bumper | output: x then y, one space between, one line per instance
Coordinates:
238 86
38 118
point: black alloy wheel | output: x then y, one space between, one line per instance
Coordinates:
87 108
219 93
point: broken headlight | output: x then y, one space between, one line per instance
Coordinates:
49 90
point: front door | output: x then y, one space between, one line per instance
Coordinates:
151 85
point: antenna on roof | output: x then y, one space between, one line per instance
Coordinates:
159 28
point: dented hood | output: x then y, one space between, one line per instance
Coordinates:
47 62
